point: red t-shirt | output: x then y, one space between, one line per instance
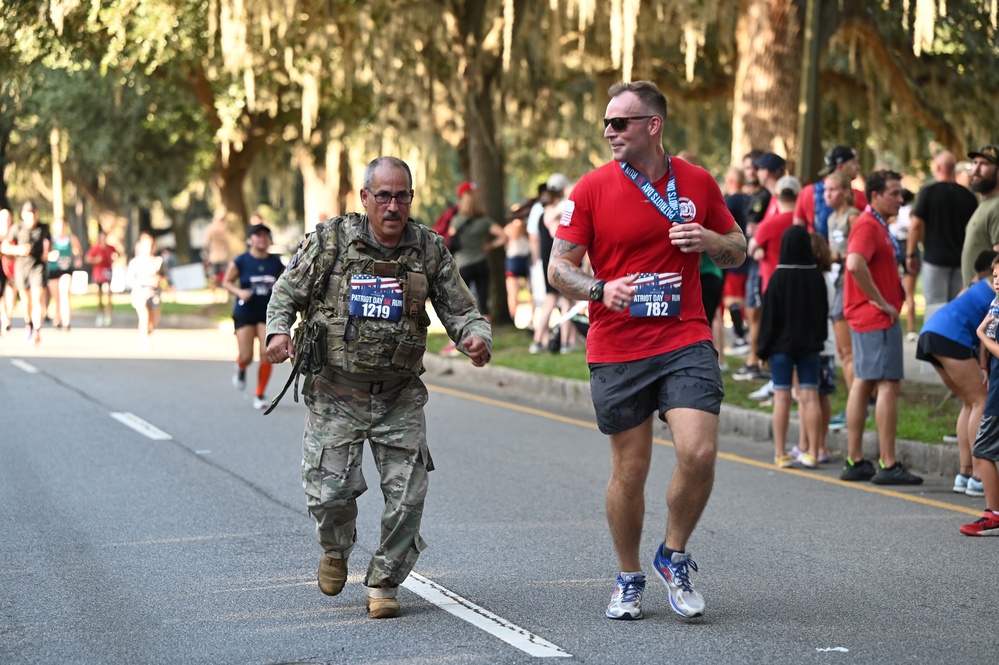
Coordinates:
805 207
101 270
768 236
625 234
870 238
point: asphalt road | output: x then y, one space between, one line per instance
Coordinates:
120 547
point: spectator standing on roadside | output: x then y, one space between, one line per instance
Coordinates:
250 278
811 209
30 243
937 223
473 235
556 185
643 219
734 288
65 255
949 342
899 228
101 258
986 448
517 268
793 328
982 231
873 297
768 168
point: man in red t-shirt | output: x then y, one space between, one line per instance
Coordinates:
101 258
644 219
872 298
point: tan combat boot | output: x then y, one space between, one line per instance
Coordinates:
383 608
332 575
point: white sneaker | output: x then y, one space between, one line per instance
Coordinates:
975 487
961 483
260 402
99 322
535 348
239 378
765 391
626 600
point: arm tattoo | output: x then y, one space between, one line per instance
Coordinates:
732 251
565 274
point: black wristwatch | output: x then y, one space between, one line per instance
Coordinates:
597 290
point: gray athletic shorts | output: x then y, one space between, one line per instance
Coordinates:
877 355
987 441
624 394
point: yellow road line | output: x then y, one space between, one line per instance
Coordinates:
725 456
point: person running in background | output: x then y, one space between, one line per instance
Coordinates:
7 292
217 249
986 448
949 342
29 242
793 328
250 278
65 255
146 276
101 258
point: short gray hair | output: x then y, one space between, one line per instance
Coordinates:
395 162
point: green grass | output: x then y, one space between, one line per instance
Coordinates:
927 412
87 304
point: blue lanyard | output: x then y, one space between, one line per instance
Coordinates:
894 240
670 206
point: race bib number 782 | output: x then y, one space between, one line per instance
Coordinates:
657 294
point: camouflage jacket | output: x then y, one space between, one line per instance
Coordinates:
344 247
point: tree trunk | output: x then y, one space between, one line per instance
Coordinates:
55 143
767 82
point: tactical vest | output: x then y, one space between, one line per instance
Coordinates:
362 345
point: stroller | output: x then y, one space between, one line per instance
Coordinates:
578 316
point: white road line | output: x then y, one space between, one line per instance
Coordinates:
141 426
483 619
24 366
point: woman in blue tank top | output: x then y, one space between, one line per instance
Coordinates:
250 278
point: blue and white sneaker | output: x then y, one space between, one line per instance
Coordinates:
675 575
961 483
975 487
626 601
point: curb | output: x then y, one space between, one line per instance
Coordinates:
930 458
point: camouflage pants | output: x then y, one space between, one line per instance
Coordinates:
340 420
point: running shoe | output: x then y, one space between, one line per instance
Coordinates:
961 483
259 402
862 470
807 461
762 393
986 525
239 378
750 373
895 475
626 599
674 573
838 421
783 461
975 487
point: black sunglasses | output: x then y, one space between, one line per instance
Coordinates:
383 198
620 124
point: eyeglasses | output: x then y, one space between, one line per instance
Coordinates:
620 124
384 198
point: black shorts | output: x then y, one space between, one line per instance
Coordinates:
625 394
56 274
931 345
243 319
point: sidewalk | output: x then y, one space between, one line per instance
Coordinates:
928 458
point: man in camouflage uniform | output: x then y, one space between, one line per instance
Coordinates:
364 281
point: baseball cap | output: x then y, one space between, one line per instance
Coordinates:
989 152
770 161
790 184
557 182
257 228
837 155
467 186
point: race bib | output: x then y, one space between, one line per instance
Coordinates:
657 294
375 297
